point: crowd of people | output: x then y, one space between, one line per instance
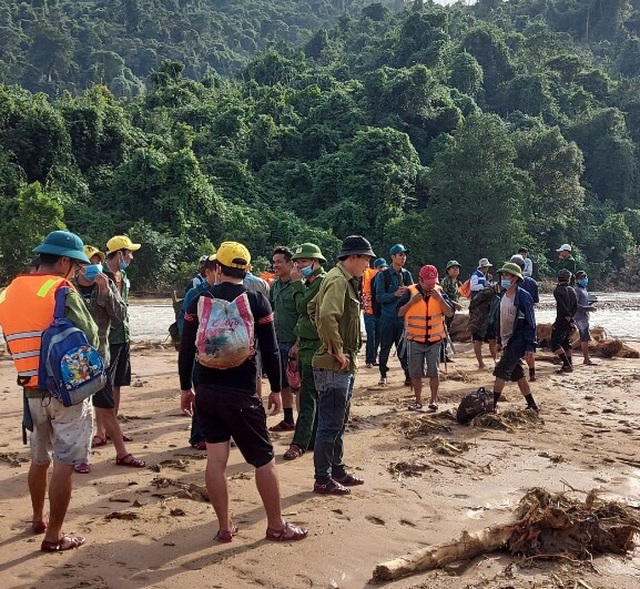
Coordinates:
300 326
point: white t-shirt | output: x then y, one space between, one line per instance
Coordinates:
507 317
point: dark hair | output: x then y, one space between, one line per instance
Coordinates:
112 255
49 259
208 264
284 250
231 272
523 250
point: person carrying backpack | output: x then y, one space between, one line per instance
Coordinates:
26 310
220 331
390 285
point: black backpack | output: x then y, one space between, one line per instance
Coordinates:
477 403
375 305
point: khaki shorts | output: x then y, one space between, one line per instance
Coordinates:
65 431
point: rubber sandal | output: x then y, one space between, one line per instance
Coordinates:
65 543
130 460
82 468
330 487
226 536
39 527
125 438
293 452
289 533
415 406
98 441
433 407
283 426
348 480
199 446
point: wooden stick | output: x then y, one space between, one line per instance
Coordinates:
468 546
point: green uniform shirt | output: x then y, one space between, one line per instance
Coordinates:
120 334
335 312
450 287
571 265
284 311
303 293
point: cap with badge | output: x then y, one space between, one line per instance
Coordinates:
428 275
121 242
233 255
92 250
308 251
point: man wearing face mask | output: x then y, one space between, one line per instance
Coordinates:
26 309
307 275
107 309
119 255
517 334
582 314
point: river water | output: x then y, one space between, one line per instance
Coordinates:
618 313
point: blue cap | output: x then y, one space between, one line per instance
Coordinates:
398 248
63 243
379 262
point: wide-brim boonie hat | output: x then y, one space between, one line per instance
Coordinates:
484 263
452 263
308 251
356 245
63 243
511 268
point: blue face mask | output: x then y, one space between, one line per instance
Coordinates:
91 271
306 271
583 282
122 264
505 283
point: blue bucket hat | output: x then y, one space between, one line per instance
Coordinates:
63 243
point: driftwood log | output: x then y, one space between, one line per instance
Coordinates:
546 526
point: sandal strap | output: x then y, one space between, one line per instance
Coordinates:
288 533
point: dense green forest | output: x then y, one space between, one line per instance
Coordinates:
461 131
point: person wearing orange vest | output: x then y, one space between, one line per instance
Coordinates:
424 308
26 309
370 319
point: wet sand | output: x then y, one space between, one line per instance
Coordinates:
151 528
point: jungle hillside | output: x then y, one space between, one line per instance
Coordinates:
462 131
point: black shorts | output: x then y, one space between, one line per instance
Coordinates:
490 335
560 333
103 399
120 368
223 415
509 367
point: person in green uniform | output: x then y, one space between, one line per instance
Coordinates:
307 275
567 261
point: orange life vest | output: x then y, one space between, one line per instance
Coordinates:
268 277
26 309
367 277
424 321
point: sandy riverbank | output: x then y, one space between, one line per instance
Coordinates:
161 536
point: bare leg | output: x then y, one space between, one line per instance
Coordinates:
37 480
112 429
416 385
434 383
216 481
477 348
269 489
60 488
584 347
101 430
116 399
493 349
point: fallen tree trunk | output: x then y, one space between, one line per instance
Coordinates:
470 545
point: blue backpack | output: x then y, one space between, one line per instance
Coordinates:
70 368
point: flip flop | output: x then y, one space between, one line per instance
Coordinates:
65 543
82 468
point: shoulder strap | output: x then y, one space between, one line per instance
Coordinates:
61 299
387 279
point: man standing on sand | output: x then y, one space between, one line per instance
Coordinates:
336 314
517 334
424 308
286 317
26 309
227 403
531 286
567 261
390 285
307 275
566 307
479 279
582 314
119 255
